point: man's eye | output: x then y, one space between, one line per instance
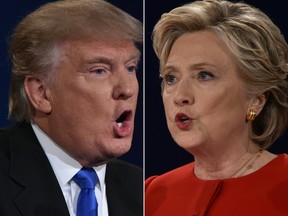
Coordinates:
131 68
169 79
205 75
98 71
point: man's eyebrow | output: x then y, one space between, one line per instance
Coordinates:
99 59
106 60
135 56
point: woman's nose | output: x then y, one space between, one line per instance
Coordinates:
183 94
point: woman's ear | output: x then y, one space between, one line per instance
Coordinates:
36 92
258 102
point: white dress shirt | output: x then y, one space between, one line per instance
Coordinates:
65 167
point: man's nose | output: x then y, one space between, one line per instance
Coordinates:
126 86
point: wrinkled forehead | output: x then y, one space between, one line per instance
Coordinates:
100 44
110 52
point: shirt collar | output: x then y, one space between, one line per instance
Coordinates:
64 166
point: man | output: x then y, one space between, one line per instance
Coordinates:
73 92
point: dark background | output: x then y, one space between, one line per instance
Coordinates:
161 153
11 12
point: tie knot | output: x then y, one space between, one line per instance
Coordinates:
86 178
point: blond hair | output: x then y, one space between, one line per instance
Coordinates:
35 44
258 47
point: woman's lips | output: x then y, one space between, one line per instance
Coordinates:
183 121
123 126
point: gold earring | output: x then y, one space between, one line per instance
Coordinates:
251 115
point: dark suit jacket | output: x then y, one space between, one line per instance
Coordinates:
28 185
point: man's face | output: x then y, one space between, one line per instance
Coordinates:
94 99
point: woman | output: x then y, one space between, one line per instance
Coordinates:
224 67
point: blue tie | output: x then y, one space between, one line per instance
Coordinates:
87 204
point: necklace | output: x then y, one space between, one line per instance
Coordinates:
248 165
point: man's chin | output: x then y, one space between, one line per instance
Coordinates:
119 150
104 160
114 150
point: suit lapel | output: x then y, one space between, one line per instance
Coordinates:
40 192
123 188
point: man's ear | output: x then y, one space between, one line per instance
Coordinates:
258 102
37 94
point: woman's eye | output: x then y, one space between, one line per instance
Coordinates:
204 75
169 79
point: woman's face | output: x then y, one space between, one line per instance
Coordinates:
205 100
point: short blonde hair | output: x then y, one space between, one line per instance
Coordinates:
258 47
35 44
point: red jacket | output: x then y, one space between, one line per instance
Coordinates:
180 192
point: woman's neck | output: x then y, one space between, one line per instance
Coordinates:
231 164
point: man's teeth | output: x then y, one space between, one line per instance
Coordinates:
119 124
